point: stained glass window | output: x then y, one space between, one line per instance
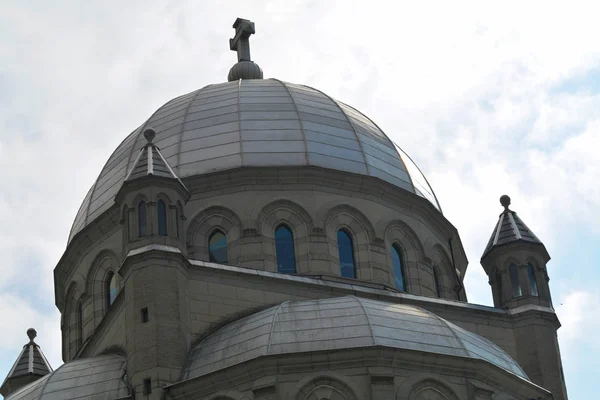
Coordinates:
284 248
161 208
217 248
399 277
142 220
436 280
514 280
533 289
111 289
346 251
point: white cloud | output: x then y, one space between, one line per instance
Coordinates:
468 89
579 314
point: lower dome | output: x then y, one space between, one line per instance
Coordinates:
97 377
335 324
258 123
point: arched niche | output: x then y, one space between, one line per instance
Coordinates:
205 223
286 213
326 388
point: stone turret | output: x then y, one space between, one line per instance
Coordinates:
152 199
30 366
515 262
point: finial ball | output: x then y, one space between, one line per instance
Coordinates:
31 334
505 201
149 134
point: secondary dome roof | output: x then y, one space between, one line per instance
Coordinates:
98 377
334 324
257 123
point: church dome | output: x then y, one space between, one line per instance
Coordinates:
336 324
258 123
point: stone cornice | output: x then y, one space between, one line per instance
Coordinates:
376 356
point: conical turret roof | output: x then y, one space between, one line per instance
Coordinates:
31 362
509 228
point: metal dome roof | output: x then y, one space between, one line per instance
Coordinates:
98 377
334 324
258 123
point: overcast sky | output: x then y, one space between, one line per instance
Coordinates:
487 99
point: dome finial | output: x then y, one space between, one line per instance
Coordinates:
31 334
149 134
505 201
245 67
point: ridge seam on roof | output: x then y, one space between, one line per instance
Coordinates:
394 148
368 318
299 119
187 112
239 119
514 226
273 325
30 360
362 151
498 228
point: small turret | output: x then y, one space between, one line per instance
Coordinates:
515 262
152 198
30 366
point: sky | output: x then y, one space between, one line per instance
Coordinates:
488 98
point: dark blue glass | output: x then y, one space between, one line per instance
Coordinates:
499 286
514 280
284 248
217 248
79 323
142 220
111 289
161 207
533 289
436 279
346 251
398 268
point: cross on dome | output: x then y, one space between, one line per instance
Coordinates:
245 67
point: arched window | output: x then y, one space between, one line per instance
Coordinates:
161 208
177 223
533 289
346 251
399 277
284 249
514 280
436 281
142 220
111 289
217 248
500 287
79 316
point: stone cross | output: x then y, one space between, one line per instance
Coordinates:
240 42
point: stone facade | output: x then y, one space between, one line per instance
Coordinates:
184 297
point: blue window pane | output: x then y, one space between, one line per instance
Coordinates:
533 289
438 286
514 280
500 287
143 227
161 207
284 248
111 289
398 269
217 248
79 323
346 254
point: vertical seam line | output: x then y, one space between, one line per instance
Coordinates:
181 130
362 151
299 119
